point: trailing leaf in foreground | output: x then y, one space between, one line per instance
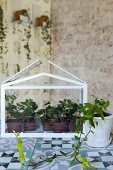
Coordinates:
88 113
19 147
74 154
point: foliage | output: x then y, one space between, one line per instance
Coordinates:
3 29
66 109
10 99
23 159
17 68
27 34
13 111
88 111
24 12
19 147
46 32
28 108
22 110
46 114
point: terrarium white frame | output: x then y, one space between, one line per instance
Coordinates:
12 82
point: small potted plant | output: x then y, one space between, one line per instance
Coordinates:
75 154
29 109
22 15
14 117
41 20
64 114
71 111
46 116
60 123
99 121
89 112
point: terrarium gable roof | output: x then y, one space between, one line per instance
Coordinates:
23 71
46 75
65 71
17 78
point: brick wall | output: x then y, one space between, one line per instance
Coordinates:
83 42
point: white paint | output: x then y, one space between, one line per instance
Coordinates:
101 134
41 135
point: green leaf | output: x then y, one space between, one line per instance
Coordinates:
50 159
89 105
73 145
85 162
54 156
92 168
76 153
76 137
63 153
102 116
21 156
82 159
78 130
92 132
19 146
72 162
96 123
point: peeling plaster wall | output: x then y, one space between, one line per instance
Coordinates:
16 57
83 43
15 35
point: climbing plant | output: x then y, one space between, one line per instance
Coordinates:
27 35
46 36
3 31
89 111
74 154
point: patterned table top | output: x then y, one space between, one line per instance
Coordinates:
101 158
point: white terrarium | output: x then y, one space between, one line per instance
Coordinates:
18 82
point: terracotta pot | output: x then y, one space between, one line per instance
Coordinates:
72 126
73 123
59 127
47 126
41 20
30 124
13 124
18 13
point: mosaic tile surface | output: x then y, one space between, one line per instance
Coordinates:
10 143
9 154
101 158
9 161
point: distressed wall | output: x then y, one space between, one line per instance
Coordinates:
83 42
24 42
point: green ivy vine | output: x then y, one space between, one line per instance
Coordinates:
27 34
46 36
3 30
74 154
89 111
